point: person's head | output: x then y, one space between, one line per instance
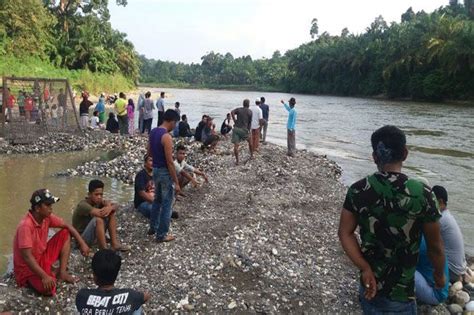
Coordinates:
42 203
246 103
228 116
170 118
122 95
85 95
148 163
262 100
204 118
209 121
292 102
176 104
180 153
130 102
102 95
96 113
148 94
389 146
96 191
106 265
111 115
442 195
257 102
184 118
162 94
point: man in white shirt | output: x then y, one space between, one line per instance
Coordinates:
257 121
185 171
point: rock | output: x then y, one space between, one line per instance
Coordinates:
470 306
455 287
455 309
274 251
232 305
461 298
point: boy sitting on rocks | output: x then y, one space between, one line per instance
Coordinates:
107 299
184 171
94 216
34 255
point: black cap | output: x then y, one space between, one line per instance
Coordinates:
42 196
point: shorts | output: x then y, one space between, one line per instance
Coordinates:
210 140
89 234
239 135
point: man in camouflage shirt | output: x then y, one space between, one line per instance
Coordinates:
391 211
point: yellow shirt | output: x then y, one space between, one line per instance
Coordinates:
121 105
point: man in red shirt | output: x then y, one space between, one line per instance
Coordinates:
34 255
11 100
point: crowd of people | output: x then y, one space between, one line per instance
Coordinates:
410 246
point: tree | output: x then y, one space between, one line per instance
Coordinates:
408 16
314 28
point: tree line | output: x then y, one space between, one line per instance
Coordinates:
72 34
425 56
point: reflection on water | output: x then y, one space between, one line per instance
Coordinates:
21 175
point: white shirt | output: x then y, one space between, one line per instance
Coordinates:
257 114
453 243
183 166
95 122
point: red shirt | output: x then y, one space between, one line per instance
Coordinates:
11 101
28 104
31 234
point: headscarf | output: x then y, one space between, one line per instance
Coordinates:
130 103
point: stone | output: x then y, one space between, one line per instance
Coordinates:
232 305
455 309
470 306
461 298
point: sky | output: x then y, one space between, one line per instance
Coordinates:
185 30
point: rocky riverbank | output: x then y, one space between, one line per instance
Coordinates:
258 238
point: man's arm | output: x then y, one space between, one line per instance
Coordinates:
201 173
249 125
347 227
232 114
167 142
189 177
27 255
74 233
147 196
434 243
286 106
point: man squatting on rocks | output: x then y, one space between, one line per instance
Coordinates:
160 148
392 212
34 255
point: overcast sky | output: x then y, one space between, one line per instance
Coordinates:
184 30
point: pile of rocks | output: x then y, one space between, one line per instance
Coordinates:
460 301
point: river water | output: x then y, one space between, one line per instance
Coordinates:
440 139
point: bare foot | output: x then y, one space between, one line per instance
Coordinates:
68 278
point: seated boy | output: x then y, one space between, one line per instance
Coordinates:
34 255
185 171
107 299
145 188
94 216
425 289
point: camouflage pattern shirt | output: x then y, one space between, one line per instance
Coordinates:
390 210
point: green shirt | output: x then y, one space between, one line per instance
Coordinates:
390 210
121 107
82 215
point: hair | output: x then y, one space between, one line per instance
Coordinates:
162 94
111 115
180 147
171 115
441 193
203 116
145 157
292 101
388 143
95 184
246 103
177 104
122 95
257 102
262 99
147 94
106 265
228 114
95 113
184 117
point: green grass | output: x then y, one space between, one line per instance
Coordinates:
79 79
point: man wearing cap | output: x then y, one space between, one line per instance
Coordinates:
291 125
34 255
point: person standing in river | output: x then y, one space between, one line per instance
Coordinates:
291 125
122 117
160 149
266 115
160 105
242 118
392 211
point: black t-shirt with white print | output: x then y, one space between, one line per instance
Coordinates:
108 302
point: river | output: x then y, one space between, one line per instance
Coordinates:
440 139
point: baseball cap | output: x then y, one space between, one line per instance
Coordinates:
42 196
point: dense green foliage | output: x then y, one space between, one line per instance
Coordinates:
425 56
68 34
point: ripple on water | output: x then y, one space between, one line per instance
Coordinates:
424 132
443 152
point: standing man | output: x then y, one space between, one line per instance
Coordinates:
176 108
392 211
160 148
291 125
34 255
160 105
121 108
242 118
257 121
62 102
266 114
84 110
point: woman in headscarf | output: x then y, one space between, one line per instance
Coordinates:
100 107
131 116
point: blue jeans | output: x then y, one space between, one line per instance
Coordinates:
381 305
164 195
145 208
424 292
